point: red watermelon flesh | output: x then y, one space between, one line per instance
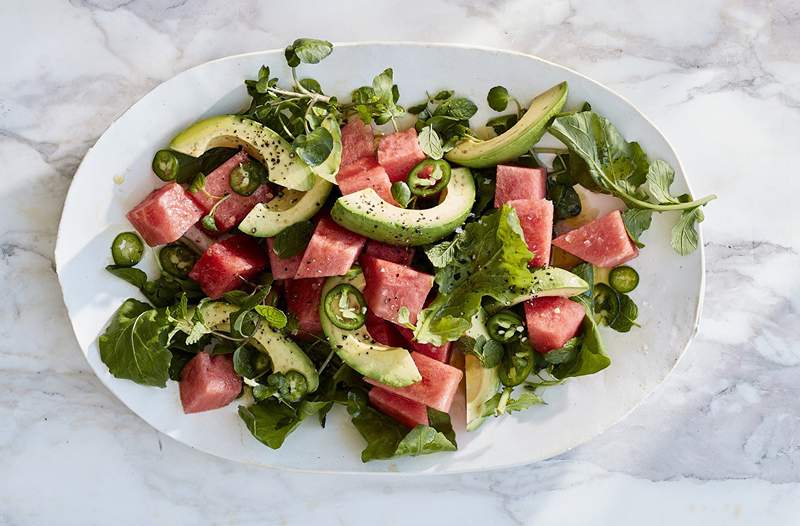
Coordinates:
366 173
198 238
604 242
391 286
441 353
302 300
165 215
383 332
437 388
399 255
282 268
399 152
357 141
536 219
552 321
230 212
226 264
331 251
517 182
405 411
208 382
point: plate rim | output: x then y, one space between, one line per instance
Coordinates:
698 309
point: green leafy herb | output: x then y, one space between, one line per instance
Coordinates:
404 318
637 221
503 403
292 240
565 354
621 168
503 123
498 98
134 346
591 356
178 362
684 234
401 193
459 108
198 184
162 292
314 147
485 190
250 363
566 202
308 51
378 102
488 351
275 317
270 421
430 143
489 258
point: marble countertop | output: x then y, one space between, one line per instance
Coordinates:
718 443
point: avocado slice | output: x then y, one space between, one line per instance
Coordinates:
388 365
283 165
365 213
288 208
330 166
482 383
515 141
552 281
283 352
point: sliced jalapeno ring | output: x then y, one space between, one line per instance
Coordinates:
127 249
623 279
170 165
606 304
517 364
177 260
345 306
429 177
247 177
505 326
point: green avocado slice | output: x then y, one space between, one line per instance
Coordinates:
365 213
330 166
288 208
515 141
283 165
388 365
283 352
482 383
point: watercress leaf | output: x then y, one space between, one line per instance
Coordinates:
443 95
395 93
308 51
418 108
314 147
274 316
311 85
430 143
565 353
659 178
292 240
401 193
198 183
498 98
502 123
637 221
591 357
382 85
490 258
133 346
485 184
684 233
459 108
134 276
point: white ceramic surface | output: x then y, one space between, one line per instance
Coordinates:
669 297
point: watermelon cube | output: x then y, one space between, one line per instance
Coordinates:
165 215
436 389
208 382
517 182
552 321
441 353
399 152
226 264
357 141
282 268
198 238
536 220
302 300
366 173
399 255
231 211
331 252
383 332
405 411
604 242
391 286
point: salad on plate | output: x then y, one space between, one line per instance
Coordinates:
316 252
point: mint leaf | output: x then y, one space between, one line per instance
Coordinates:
275 317
401 193
315 147
489 258
430 143
134 344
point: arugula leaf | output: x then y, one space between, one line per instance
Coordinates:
442 254
270 421
489 258
430 143
401 193
497 406
133 346
178 362
306 50
637 221
485 189
591 357
314 147
293 239
498 98
659 178
684 233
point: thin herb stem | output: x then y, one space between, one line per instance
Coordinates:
547 149
309 95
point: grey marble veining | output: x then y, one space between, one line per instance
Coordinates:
718 443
